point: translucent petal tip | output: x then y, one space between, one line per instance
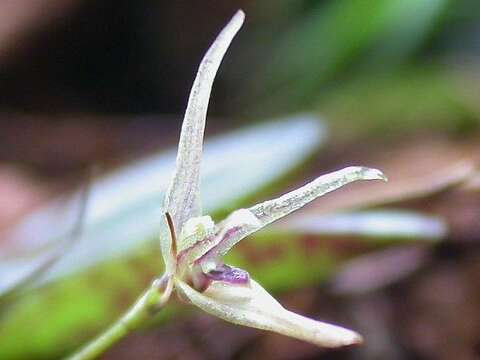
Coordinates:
371 174
340 336
239 16
354 339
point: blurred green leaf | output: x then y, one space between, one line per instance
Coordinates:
118 254
124 206
412 99
332 37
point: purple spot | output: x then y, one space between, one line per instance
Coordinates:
229 275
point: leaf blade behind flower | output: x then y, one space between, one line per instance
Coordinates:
119 243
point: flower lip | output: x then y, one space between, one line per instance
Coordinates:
229 274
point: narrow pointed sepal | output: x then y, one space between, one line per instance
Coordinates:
244 222
182 198
253 306
272 210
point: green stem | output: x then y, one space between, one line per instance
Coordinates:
144 308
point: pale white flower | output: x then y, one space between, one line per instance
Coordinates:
193 246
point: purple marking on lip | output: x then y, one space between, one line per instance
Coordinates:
229 274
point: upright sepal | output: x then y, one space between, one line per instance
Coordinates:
182 199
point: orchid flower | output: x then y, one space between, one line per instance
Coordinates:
193 245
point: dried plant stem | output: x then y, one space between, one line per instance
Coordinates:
144 308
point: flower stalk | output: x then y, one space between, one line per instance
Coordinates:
146 306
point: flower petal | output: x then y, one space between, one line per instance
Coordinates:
254 307
182 199
235 227
244 222
195 230
166 243
272 210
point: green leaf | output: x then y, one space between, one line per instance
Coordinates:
341 37
415 98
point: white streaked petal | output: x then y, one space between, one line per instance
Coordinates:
182 198
258 309
166 243
235 227
272 210
244 222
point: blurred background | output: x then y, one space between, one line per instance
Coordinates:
100 87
